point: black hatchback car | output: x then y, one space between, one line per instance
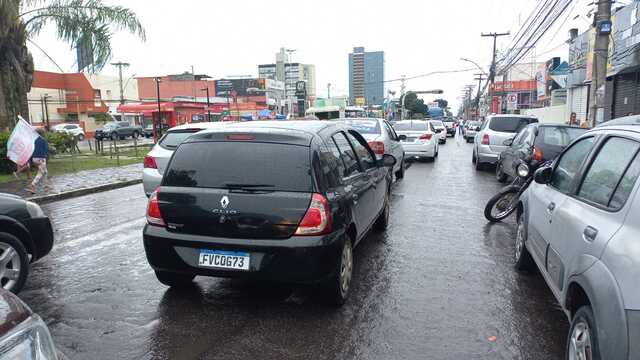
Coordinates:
533 145
285 201
26 235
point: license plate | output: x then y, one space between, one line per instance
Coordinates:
224 259
410 139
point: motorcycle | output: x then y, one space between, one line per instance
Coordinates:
502 204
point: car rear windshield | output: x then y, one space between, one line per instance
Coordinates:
174 138
509 124
560 136
254 165
409 126
475 124
365 126
437 124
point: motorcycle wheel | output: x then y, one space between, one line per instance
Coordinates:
502 204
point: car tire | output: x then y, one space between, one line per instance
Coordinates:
400 173
382 222
135 135
80 137
583 336
474 158
114 136
523 260
175 279
477 164
500 175
337 288
17 259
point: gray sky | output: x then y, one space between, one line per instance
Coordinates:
222 38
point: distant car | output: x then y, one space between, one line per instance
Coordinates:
577 224
534 144
156 160
72 129
418 138
441 130
23 334
381 138
290 205
489 142
118 130
26 235
147 131
451 127
470 129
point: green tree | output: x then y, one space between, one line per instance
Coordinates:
413 104
442 103
78 22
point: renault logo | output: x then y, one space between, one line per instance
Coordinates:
224 202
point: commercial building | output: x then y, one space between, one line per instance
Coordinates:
366 77
290 73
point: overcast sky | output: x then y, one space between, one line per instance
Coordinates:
222 38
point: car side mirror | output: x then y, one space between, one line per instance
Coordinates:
507 142
477 128
438 131
543 175
402 137
388 160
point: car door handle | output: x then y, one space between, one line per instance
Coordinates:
590 233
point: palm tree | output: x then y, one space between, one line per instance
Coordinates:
85 23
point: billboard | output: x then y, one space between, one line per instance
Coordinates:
241 87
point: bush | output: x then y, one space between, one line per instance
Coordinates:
6 166
59 142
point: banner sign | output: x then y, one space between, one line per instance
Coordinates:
21 142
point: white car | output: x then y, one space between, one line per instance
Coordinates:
441 130
156 160
381 138
418 138
72 129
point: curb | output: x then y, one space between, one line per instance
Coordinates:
80 192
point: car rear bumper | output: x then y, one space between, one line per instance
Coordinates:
42 235
296 260
486 155
419 150
151 179
633 324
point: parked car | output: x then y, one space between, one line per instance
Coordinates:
418 138
72 129
578 224
147 131
26 235
534 144
118 130
23 334
440 129
291 206
489 141
156 160
470 129
450 125
381 138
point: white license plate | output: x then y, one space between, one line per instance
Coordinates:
224 259
409 139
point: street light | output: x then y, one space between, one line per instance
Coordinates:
208 109
474 63
155 132
434 91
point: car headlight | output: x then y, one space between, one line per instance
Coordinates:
29 340
35 210
523 170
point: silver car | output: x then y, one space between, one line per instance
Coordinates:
156 160
578 224
489 142
381 138
418 138
471 129
441 131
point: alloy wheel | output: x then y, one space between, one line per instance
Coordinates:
519 239
580 347
10 266
346 268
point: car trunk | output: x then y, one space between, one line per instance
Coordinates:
262 194
503 128
413 136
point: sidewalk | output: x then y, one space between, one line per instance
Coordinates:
79 183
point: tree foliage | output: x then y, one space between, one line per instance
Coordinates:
413 104
442 103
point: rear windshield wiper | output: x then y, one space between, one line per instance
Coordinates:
249 187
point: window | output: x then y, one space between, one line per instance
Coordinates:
346 154
521 137
337 155
509 124
607 169
411 125
365 126
626 184
390 131
69 127
174 138
560 136
368 161
570 163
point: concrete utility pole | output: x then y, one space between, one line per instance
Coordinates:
602 22
121 64
492 70
479 78
329 91
156 131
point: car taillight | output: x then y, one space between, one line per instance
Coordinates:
150 162
154 217
537 154
316 220
485 139
426 137
377 147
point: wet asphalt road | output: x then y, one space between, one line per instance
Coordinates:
437 285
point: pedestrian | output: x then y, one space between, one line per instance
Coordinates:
39 159
461 127
26 167
573 119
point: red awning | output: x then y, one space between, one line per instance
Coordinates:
145 107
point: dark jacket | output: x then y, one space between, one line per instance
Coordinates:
41 148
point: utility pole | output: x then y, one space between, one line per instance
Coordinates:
468 89
329 91
46 112
602 22
402 87
208 103
479 78
492 70
155 131
121 64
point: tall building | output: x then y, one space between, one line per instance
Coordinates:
290 73
366 76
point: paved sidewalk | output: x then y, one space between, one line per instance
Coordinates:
79 183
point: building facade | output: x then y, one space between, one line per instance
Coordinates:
366 77
293 72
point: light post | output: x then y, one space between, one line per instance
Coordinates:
434 91
208 109
475 64
155 131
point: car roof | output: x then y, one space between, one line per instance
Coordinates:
512 116
622 121
202 125
359 119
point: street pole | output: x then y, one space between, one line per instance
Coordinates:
46 111
402 87
329 91
155 131
208 109
479 78
599 63
492 70
121 64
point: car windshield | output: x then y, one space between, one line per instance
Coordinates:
509 124
365 126
437 124
174 138
474 124
560 136
411 125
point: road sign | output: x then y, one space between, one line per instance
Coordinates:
512 101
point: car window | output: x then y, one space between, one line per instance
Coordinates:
368 161
392 134
69 127
365 126
626 184
337 156
607 170
560 136
569 164
174 138
509 124
347 155
411 125
521 137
